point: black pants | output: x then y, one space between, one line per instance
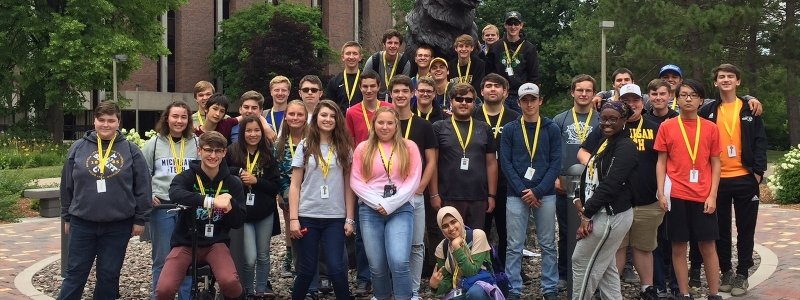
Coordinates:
561 215
742 192
499 216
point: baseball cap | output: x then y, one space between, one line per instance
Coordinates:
438 60
513 15
670 68
528 89
630 89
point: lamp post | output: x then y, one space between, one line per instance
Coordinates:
114 60
603 26
137 108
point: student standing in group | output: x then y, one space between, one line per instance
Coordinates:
344 88
439 72
515 58
688 155
467 70
310 91
743 164
386 173
426 107
495 113
216 107
321 204
203 90
279 87
258 170
106 198
423 60
215 201
419 131
252 104
292 130
388 62
660 93
530 154
167 155
489 34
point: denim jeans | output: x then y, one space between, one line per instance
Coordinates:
476 292
387 241
256 254
362 263
106 241
330 234
417 245
162 224
517 214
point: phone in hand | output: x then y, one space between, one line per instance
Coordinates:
303 231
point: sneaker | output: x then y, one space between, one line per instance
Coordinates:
551 296
649 294
362 288
739 285
662 294
629 276
325 286
683 297
268 293
562 285
312 296
727 281
714 297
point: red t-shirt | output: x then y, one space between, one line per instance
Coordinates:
679 162
355 121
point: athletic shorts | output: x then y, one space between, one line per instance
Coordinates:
687 222
643 234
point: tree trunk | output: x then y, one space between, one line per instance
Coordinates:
55 118
792 101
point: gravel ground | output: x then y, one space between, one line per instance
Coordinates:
135 276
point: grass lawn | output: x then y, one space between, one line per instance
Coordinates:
773 155
33 173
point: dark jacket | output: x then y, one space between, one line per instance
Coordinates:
616 168
184 190
515 159
336 90
526 71
127 180
477 70
265 189
754 136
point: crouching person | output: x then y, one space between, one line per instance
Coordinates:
216 205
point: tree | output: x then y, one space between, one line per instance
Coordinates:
783 43
266 40
54 50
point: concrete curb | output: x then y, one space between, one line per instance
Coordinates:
24 281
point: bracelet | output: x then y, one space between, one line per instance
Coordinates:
435 196
575 200
294 219
350 221
492 196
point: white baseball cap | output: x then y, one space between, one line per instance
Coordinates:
528 89
630 89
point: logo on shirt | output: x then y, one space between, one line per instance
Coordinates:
640 136
112 168
202 214
572 134
747 118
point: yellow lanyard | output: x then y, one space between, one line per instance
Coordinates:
692 152
203 192
532 152
251 166
178 159
500 118
291 146
582 132
388 76
599 150
272 116
408 127
729 127
387 163
674 102
364 112
325 165
444 96
508 54
200 118
458 134
350 93
465 79
103 159
427 115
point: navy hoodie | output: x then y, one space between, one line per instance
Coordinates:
128 192
515 159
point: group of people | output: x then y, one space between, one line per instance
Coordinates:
414 172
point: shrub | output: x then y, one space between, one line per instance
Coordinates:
785 183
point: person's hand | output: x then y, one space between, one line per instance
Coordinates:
456 243
490 205
436 277
271 135
662 201
559 190
381 210
137 230
758 178
156 201
349 229
248 178
710 205
578 205
527 196
583 229
66 227
597 101
755 107
223 202
436 203
294 230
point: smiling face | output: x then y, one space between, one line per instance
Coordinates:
401 95
369 88
295 116
672 78
513 27
622 79
326 120
464 50
106 126
611 122
279 92
392 46
490 36
211 156
252 133
177 120
660 97
215 113
423 58
250 107
425 94
463 105
202 97
450 227
726 81
385 126
351 56
439 71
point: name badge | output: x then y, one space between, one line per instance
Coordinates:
457 293
465 163
529 173
324 192
101 185
731 151
209 232
251 199
694 176
510 71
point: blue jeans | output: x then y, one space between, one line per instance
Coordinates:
387 241
417 245
330 234
256 254
517 214
162 224
476 292
362 263
106 241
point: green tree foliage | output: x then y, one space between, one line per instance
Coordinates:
51 51
266 40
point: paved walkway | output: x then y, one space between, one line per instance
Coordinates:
777 240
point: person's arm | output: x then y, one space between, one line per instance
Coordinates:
554 164
234 218
409 185
142 189
506 159
181 191
428 171
661 177
759 149
294 202
350 206
618 175
711 202
583 156
754 104
491 176
433 186
67 187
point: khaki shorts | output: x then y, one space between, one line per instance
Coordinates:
643 234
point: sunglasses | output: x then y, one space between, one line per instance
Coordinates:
309 90
460 99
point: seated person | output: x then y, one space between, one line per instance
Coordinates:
208 189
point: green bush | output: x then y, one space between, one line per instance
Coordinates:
785 183
8 210
17 153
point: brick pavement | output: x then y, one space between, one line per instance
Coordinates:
22 245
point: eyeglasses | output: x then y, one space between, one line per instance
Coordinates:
421 91
460 99
218 151
611 120
688 96
309 90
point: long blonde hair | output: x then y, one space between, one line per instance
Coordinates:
285 131
398 144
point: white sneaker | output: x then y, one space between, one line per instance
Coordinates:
527 253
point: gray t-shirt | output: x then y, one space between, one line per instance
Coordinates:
570 140
311 203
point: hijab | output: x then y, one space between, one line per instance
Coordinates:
479 242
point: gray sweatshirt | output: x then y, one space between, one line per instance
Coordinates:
127 182
161 163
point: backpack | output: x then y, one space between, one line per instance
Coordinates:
500 277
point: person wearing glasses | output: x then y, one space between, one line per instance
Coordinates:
530 155
425 106
515 58
310 92
467 163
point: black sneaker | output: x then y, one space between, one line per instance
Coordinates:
362 289
312 296
739 285
714 297
325 286
550 296
649 293
726 284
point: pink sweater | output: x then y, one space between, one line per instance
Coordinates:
371 192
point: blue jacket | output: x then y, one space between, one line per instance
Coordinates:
515 160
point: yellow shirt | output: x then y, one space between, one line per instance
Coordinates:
730 166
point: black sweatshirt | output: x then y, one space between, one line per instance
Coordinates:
616 166
265 189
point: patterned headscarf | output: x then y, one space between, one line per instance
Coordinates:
622 108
